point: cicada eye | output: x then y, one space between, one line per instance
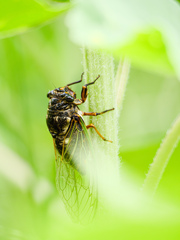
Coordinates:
50 94
69 98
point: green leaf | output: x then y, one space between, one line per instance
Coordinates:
61 0
19 16
148 51
116 24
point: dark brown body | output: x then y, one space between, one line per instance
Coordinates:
63 119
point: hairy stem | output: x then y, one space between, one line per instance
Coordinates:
121 82
162 157
102 96
107 92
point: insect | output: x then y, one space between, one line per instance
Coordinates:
72 149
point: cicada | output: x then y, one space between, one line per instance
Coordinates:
73 150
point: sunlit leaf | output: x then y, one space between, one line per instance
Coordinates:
116 24
19 16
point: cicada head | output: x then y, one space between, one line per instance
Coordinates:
62 93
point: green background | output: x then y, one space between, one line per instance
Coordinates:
39 52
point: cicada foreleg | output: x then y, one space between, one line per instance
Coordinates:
76 81
84 91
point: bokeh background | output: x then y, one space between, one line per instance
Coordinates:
34 60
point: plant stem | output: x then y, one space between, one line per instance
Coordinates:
106 93
102 96
121 82
162 157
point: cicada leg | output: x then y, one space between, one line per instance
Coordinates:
92 126
95 113
84 91
76 81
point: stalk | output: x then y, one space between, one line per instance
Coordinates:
102 96
162 157
121 82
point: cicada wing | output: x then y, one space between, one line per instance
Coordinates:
74 180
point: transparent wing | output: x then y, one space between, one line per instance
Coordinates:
74 180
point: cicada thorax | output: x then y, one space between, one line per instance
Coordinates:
60 112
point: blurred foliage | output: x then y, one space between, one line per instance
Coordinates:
148 51
34 63
142 25
19 16
61 0
25 89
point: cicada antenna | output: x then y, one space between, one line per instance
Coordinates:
53 84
